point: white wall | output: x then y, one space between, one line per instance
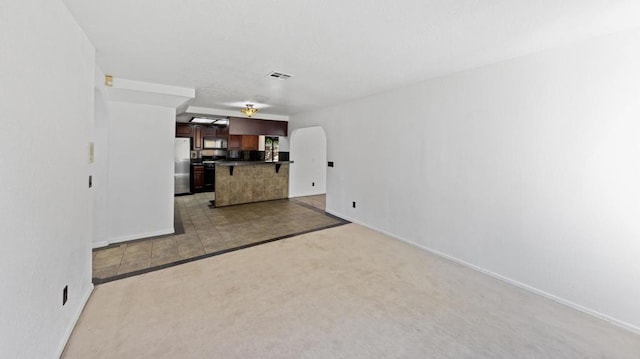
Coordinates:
141 141
283 144
46 100
528 168
309 156
100 167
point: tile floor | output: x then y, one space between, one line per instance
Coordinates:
318 201
209 230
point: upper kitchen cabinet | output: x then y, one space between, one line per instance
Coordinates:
216 131
247 126
243 142
222 131
235 142
249 143
197 137
198 132
210 131
274 128
183 130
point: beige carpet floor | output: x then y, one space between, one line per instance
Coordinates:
345 292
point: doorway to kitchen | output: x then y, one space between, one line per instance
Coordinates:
308 174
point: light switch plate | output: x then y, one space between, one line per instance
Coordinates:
91 152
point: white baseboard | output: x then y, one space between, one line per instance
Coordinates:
131 237
306 194
594 313
76 317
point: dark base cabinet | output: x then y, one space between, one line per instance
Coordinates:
197 178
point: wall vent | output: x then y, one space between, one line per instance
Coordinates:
280 75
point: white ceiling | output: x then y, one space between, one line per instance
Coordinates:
338 50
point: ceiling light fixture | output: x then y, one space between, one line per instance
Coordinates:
249 110
204 120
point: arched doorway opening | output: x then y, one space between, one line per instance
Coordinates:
308 174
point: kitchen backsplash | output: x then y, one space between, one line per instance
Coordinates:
253 155
239 155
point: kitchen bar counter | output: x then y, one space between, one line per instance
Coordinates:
240 182
248 163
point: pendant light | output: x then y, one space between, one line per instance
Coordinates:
249 110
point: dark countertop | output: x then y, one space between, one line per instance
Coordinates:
249 163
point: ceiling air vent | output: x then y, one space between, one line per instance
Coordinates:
280 75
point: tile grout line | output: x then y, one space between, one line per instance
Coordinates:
122 258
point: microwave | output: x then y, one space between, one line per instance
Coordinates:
214 142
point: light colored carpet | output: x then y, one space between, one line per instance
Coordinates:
345 292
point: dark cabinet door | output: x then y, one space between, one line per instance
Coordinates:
210 131
197 137
245 126
222 131
235 142
274 128
249 143
197 178
183 130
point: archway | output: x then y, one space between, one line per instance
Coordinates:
308 174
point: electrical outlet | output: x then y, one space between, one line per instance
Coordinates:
313 184
65 293
354 204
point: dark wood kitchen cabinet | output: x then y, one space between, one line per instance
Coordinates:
183 130
197 178
249 143
216 131
222 131
197 133
247 126
197 137
235 142
274 128
245 143
210 131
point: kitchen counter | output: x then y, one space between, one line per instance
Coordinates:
240 182
248 163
